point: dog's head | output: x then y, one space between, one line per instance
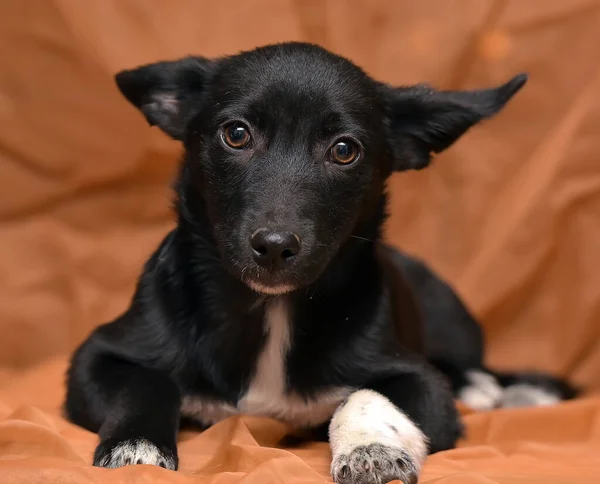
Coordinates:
288 148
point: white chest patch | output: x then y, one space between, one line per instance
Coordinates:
267 393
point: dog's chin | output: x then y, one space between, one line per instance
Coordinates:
266 282
273 283
275 290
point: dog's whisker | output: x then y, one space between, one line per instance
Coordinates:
362 238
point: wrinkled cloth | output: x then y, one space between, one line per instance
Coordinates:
541 445
510 215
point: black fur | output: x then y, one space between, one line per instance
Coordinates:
195 326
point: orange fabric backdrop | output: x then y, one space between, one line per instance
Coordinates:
510 215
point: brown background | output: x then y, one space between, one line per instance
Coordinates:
510 215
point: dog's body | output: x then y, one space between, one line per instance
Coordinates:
273 296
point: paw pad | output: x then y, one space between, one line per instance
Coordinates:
374 464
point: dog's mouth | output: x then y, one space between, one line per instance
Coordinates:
268 282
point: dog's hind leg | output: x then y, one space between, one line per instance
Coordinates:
472 385
385 431
484 389
454 343
134 409
532 389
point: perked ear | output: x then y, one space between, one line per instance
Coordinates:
168 93
421 121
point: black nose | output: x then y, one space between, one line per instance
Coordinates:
274 248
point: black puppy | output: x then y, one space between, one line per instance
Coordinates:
273 295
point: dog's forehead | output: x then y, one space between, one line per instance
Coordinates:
306 83
293 71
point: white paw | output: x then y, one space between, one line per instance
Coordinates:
525 395
373 442
483 391
131 452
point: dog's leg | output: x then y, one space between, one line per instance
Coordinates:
484 389
533 389
134 409
385 432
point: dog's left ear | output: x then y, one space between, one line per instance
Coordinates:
168 93
421 121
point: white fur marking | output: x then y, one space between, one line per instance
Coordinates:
269 376
267 394
370 418
525 395
166 102
139 451
483 392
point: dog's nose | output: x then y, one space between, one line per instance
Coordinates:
274 248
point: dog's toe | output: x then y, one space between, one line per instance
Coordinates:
374 464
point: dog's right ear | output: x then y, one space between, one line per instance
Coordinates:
168 93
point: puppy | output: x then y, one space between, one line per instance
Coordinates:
273 295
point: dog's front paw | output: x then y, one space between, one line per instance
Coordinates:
112 453
374 442
374 464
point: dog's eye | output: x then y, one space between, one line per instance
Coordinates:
236 135
344 152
